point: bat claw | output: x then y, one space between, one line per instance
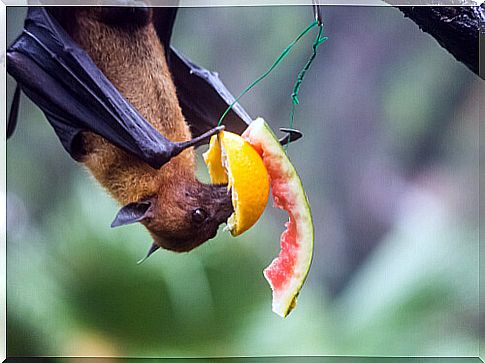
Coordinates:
154 247
291 135
180 146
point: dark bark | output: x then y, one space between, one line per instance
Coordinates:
455 28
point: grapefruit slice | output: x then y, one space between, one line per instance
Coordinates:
287 273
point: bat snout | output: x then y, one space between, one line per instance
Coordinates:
223 207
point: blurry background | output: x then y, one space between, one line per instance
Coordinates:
390 164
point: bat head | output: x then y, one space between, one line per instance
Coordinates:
182 221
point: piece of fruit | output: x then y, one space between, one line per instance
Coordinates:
232 160
213 159
287 273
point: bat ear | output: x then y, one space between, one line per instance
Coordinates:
132 213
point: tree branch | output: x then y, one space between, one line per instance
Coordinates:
456 28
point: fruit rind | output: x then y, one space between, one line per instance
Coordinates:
289 194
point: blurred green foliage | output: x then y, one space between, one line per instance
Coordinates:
379 90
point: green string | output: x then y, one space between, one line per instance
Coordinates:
277 61
301 75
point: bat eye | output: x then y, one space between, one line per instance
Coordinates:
199 215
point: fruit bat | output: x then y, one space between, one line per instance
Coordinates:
121 100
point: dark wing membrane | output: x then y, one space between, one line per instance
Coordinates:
75 95
203 97
163 21
14 112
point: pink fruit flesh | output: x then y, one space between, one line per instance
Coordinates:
280 271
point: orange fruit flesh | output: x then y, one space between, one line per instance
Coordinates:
232 160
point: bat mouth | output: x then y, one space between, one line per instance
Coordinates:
223 201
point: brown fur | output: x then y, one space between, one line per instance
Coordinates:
137 68
134 61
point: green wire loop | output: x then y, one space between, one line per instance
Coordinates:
318 40
301 75
275 64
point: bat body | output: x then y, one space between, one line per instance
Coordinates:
183 212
